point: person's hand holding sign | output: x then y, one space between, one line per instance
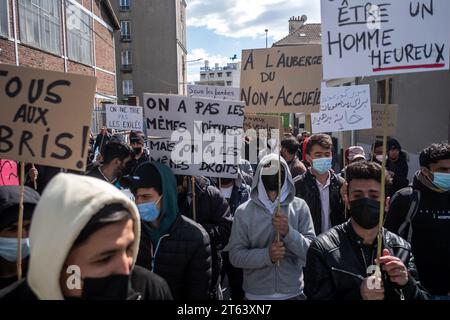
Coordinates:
395 268
281 223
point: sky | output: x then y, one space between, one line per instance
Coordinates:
217 29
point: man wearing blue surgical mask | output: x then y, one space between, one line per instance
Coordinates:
320 186
421 214
172 246
9 211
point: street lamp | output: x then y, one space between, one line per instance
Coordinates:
267 30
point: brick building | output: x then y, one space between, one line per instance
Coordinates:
75 36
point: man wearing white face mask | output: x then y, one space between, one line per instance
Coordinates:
9 211
421 215
320 186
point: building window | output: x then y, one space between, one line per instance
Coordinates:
211 75
79 35
126 58
124 5
127 87
229 83
40 24
220 74
381 91
228 74
125 30
203 76
4 18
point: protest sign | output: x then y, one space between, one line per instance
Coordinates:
281 79
367 38
198 133
213 92
197 158
343 109
45 116
164 114
124 117
377 121
8 173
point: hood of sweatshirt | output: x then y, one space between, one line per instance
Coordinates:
287 189
66 206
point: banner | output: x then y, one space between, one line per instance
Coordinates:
343 109
282 79
213 92
45 116
124 117
367 38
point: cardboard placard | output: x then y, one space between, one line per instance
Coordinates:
367 38
343 109
282 79
164 114
377 121
8 173
121 117
213 92
45 116
197 158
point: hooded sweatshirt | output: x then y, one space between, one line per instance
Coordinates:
63 212
169 208
253 233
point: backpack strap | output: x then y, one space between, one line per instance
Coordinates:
413 208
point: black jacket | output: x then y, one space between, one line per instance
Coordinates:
144 285
400 170
306 189
100 142
336 266
182 258
213 213
430 233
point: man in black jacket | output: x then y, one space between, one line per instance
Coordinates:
421 214
397 165
213 213
172 246
320 186
340 262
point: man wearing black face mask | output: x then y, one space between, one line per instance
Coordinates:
140 153
85 246
340 262
116 162
272 267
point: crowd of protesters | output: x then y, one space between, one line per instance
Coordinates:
129 228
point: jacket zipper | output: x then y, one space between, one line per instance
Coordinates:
348 273
156 251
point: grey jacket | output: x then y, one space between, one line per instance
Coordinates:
252 234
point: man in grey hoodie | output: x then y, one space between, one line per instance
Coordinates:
272 269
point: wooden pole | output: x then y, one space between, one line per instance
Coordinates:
20 222
194 207
279 185
383 177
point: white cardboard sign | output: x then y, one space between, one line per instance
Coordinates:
124 117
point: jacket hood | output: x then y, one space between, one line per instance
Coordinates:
254 194
66 206
169 208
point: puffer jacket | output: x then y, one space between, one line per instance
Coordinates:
336 266
182 257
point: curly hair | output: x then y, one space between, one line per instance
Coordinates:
434 153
